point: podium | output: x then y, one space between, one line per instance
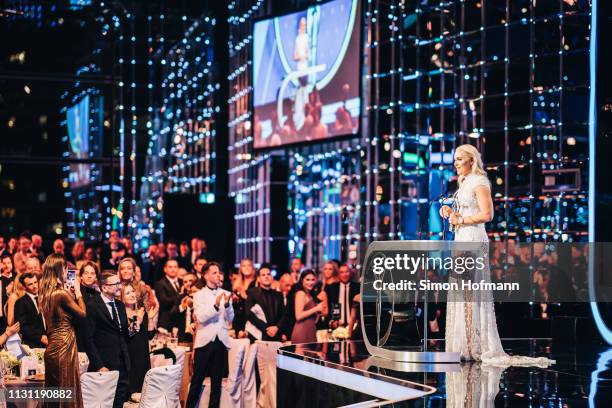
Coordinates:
384 310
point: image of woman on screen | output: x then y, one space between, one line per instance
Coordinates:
300 56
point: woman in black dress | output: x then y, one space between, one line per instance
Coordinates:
138 344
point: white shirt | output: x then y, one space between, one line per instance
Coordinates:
110 307
36 306
175 283
212 321
344 302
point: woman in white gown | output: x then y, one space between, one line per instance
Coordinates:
471 328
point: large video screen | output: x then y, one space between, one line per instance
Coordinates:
77 121
306 69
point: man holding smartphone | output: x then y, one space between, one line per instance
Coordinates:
213 311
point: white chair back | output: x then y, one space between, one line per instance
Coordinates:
236 356
249 382
179 353
231 387
266 364
161 387
98 389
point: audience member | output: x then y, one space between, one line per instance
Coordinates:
33 265
183 257
108 334
213 312
138 342
308 307
329 274
168 292
59 248
341 297
187 291
27 313
2 246
243 282
14 290
19 259
286 285
264 308
78 253
36 249
198 264
127 273
11 247
88 277
7 268
112 252
295 268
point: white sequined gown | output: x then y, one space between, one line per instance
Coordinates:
471 328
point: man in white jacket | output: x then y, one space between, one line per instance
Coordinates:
212 307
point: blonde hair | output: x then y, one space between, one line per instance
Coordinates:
131 262
473 153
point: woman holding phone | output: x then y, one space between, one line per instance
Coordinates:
60 308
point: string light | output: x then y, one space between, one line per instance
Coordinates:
183 119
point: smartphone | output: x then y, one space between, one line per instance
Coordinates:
70 279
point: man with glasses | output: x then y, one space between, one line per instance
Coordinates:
108 334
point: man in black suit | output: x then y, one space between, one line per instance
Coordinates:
108 334
286 290
270 302
341 296
33 331
171 305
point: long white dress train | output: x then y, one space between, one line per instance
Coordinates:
471 327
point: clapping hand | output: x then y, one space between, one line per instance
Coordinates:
220 299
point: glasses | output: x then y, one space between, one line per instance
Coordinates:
113 284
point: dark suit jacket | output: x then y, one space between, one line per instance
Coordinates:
81 326
107 344
271 303
169 301
32 327
333 294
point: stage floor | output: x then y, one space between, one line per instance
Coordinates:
344 374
